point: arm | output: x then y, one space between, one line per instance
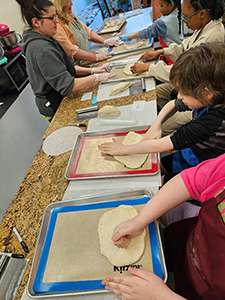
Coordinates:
143 147
157 29
164 200
166 112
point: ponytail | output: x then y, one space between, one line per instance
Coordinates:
177 3
33 9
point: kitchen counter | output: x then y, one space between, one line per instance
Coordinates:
44 182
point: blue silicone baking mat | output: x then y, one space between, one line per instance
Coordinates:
41 285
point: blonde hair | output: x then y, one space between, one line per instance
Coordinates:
62 15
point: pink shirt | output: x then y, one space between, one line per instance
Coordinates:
206 179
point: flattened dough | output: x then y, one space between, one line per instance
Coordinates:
61 140
132 161
120 87
133 45
108 111
127 70
107 223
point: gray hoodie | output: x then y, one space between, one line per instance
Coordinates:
47 71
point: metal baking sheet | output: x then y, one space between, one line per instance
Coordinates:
79 164
39 288
121 50
101 29
118 67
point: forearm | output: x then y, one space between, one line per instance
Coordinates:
133 36
164 200
166 112
148 146
97 38
81 83
84 55
81 71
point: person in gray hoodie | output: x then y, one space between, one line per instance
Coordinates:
51 73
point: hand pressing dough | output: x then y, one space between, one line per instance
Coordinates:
127 70
107 223
120 87
108 111
132 161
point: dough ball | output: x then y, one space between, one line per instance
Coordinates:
108 111
120 87
127 70
132 161
107 223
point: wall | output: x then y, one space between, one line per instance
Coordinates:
79 5
10 15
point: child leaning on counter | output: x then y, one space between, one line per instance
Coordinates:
200 87
168 26
197 242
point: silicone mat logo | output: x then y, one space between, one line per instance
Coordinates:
125 268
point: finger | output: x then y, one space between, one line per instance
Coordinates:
143 274
122 242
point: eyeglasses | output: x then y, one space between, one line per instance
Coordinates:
50 18
195 13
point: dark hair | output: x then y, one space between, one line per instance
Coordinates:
177 4
198 68
216 7
33 9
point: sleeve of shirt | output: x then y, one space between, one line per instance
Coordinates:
63 38
157 29
197 131
57 75
160 71
206 179
174 50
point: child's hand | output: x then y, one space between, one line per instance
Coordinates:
149 55
154 133
125 38
141 285
125 231
115 148
139 68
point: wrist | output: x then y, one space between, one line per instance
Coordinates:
96 57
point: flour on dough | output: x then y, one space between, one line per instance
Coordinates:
108 111
133 45
120 87
132 161
61 140
127 70
107 223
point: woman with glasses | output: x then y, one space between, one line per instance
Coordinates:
73 35
51 73
202 16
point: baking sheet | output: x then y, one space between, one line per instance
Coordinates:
105 89
65 226
104 30
87 162
121 49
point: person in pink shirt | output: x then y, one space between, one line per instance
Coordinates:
196 237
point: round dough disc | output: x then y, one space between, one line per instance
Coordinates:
132 161
107 223
61 140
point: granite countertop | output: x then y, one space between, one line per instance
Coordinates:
45 183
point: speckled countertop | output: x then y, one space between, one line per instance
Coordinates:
45 183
